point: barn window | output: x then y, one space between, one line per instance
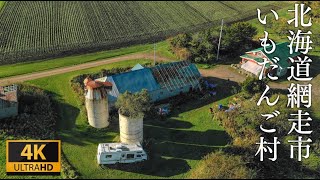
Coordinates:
130 156
108 156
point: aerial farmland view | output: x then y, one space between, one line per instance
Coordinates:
159 89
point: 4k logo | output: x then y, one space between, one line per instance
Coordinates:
27 151
41 157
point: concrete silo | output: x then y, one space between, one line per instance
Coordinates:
97 102
131 129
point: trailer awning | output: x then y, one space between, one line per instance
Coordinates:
252 67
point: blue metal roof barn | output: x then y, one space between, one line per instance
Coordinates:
161 81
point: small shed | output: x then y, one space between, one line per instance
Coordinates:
8 101
250 61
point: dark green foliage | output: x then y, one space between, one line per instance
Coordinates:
200 47
253 85
134 104
181 40
36 119
220 165
203 48
238 37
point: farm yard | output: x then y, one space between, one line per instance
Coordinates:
176 144
82 27
191 120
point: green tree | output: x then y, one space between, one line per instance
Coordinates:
203 47
180 40
238 36
134 104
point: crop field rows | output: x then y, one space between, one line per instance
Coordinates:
38 30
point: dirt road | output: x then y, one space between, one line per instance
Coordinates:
36 75
226 72
221 71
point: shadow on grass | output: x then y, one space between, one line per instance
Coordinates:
191 145
82 136
223 89
171 122
155 166
186 144
67 114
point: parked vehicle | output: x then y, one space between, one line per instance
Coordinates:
113 153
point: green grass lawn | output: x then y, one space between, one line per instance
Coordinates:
162 49
181 141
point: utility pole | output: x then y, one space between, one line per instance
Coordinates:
154 53
219 40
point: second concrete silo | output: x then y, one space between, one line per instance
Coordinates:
96 100
131 129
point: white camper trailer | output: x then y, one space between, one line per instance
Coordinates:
112 153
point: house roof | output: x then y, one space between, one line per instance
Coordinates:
282 52
176 74
252 67
257 59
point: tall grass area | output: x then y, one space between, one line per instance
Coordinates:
186 136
